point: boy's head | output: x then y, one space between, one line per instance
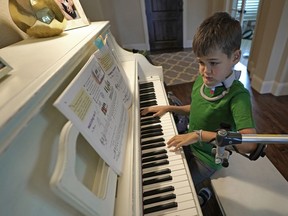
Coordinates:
218 32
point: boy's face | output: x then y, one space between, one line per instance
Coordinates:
216 66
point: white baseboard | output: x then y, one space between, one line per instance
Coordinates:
261 86
280 89
135 46
273 87
187 44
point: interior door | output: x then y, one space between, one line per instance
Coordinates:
165 24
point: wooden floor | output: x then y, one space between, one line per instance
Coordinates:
270 114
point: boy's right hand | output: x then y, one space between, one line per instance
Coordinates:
157 110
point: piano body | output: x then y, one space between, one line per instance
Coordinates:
48 168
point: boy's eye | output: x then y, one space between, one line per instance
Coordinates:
200 62
213 63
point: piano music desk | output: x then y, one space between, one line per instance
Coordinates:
251 188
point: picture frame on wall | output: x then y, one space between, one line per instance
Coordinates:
73 12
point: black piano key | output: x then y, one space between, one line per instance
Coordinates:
158 191
148 114
150 121
152 127
145 98
143 132
155 140
143 85
146 85
156 173
150 118
155 163
156 145
152 134
157 152
160 207
157 180
150 143
146 90
154 158
159 199
148 96
148 103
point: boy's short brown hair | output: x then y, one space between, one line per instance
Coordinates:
220 31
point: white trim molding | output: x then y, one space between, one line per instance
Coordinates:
273 87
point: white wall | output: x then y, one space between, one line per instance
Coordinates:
9 33
268 62
125 17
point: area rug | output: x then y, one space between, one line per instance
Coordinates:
178 67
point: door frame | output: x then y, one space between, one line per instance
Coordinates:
146 35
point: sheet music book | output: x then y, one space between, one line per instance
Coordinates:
97 102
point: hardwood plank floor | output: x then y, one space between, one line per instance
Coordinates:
270 114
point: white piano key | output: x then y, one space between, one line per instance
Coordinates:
180 212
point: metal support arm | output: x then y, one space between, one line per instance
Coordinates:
226 138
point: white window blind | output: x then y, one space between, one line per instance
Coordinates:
251 8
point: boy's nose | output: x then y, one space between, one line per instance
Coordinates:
207 69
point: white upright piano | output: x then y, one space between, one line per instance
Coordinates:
39 146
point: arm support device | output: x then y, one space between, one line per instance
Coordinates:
226 138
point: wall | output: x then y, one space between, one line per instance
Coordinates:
268 62
125 17
9 33
196 12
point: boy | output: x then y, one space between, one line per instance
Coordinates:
217 96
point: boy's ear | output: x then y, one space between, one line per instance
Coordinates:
236 56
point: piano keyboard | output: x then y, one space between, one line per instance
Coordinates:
167 186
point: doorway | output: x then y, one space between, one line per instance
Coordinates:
165 24
246 12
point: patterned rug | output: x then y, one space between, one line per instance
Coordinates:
178 67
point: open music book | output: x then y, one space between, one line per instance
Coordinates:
97 102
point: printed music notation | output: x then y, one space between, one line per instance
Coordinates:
97 102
